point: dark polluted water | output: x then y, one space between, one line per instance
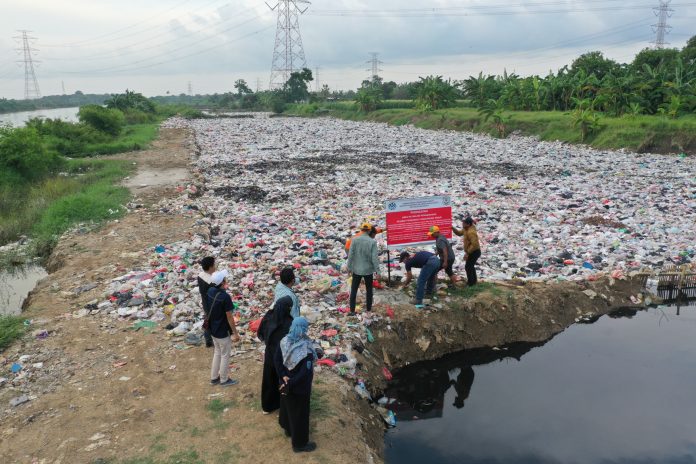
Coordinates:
619 390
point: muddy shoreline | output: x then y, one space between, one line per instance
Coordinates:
85 354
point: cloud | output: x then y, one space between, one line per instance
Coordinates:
128 40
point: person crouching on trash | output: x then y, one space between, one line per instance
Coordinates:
222 328
294 363
429 265
275 325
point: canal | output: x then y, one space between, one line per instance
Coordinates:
619 390
19 118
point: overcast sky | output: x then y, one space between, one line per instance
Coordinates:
156 46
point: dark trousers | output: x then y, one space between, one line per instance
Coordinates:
206 333
471 259
354 291
270 396
294 418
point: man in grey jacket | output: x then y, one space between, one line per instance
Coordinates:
363 262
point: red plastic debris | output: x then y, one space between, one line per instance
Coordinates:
254 325
387 375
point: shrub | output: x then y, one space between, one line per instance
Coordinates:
191 113
130 101
66 138
368 98
134 116
109 121
22 152
433 92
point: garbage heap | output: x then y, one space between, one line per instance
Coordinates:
276 192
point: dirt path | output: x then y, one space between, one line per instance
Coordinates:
100 391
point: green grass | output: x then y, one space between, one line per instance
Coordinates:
133 137
641 133
217 406
84 192
319 405
471 292
11 328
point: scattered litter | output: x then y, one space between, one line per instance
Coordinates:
14 402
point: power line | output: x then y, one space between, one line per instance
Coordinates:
288 52
146 20
205 39
170 59
661 29
136 47
31 84
451 12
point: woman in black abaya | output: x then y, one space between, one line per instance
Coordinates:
273 328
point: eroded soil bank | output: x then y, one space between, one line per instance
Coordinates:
503 314
100 390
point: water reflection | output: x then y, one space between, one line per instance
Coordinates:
617 391
16 285
420 388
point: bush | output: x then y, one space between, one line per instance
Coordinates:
66 138
23 153
109 121
130 101
134 116
191 113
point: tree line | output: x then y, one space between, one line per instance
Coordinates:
657 81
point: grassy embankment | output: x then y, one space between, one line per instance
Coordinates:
84 191
640 133
73 188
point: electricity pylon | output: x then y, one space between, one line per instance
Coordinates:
288 53
374 67
31 85
661 29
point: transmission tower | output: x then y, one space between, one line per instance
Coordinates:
661 29
288 54
374 66
190 88
31 85
316 79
